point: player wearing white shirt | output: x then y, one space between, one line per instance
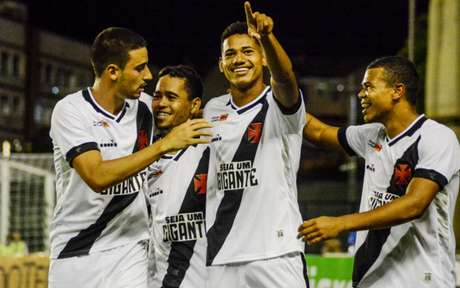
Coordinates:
410 185
252 212
176 187
101 138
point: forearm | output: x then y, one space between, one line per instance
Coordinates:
105 173
396 212
278 61
321 134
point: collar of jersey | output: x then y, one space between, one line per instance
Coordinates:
90 99
409 131
249 106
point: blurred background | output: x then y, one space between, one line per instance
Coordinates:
44 55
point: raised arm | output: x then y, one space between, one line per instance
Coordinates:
100 174
283 79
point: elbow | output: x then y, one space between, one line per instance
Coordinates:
96 184
415 211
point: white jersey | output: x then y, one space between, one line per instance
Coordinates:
419 253
177 195
252 211
85 221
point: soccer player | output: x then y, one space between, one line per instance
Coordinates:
101 138
177 187
411 182
252 212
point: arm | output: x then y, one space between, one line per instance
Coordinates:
100 174
283 79
419 194
321 134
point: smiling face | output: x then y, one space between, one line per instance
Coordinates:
376 96
135 74
242 61
171 103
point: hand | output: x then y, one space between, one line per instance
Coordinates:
319 229
259 24
189 133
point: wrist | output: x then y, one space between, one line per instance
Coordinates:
164 146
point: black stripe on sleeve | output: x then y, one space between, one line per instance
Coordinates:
289 110
342 136
432 175
80 149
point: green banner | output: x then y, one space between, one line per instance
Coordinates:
329 271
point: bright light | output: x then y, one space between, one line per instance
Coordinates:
55 90
6 149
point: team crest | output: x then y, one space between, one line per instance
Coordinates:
377 147
199 183
142 140
221 117
402 174
254 132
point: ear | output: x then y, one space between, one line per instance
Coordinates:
221 67
195 111
113 71
399 91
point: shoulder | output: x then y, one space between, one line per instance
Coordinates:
216 104
371 130
436 134
70 103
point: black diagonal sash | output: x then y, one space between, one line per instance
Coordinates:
369 251
194 201
84 240
231 201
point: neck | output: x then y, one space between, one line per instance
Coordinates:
241 96
399 119
106 96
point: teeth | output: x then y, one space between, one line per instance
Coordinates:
162 114
240 70
365 105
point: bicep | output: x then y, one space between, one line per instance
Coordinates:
421 192
86 164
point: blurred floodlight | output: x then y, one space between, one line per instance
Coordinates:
55 90
340 87
6 148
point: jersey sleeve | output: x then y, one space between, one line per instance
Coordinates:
439 157
292 118
354 139
70 133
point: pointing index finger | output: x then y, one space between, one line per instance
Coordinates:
248 11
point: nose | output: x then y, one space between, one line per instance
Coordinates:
361 93
147 75
239 58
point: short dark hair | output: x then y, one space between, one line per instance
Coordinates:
193 82
232 29
112 46
399 70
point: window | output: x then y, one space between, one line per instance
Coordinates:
16 65
5 105
4 59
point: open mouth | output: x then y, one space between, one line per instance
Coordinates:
240 70
162 115
364 106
